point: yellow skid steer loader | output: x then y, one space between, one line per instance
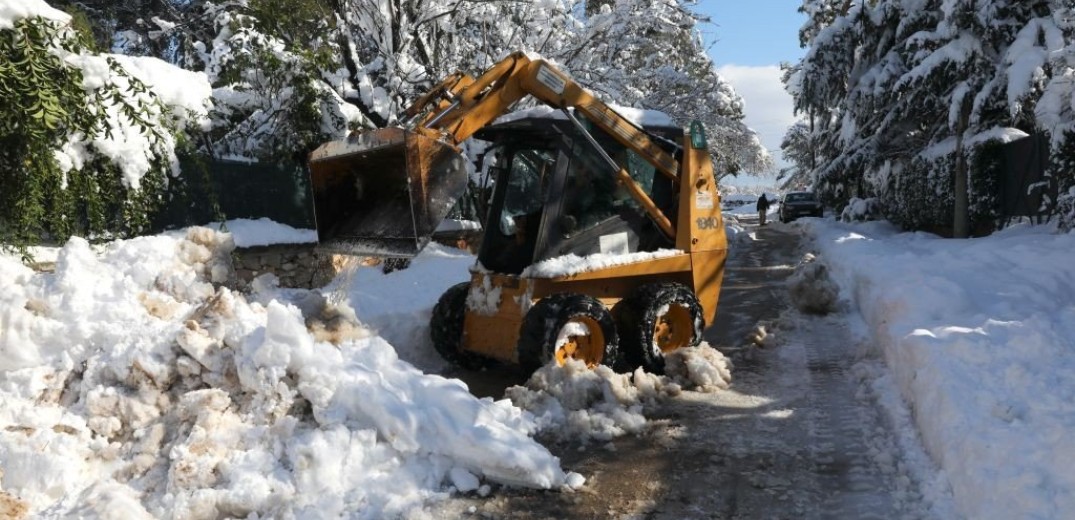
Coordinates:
603 241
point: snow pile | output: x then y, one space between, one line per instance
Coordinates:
11 507
129 382
811 289
572 264
263 231
861 209
700 368
735 231
398 305
577 404
979 336
763 335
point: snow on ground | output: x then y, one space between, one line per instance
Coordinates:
582 405
129 383
980 337
734 217
398 305
131 380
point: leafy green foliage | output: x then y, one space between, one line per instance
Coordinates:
43 105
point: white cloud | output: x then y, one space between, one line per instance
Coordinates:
768 106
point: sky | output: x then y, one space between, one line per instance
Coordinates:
748 41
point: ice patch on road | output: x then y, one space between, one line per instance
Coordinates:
575 403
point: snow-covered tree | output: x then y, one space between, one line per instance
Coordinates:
87 141
912 97
1055 113
798 151
648 53
291 73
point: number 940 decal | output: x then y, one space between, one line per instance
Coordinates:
707 222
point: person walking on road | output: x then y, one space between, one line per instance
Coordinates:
763 208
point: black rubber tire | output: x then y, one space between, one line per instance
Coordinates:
543 322
391 265
637 318
446 329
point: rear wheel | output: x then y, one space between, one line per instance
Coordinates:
655 320
446 328
567 326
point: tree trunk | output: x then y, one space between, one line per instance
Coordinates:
960 220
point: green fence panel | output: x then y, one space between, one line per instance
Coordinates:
280 192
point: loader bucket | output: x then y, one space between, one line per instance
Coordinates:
383 192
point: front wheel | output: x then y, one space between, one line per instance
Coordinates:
657 319
446 328
567 326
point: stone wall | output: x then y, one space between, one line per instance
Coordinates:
295 265
301 266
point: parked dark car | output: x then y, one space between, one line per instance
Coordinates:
797 204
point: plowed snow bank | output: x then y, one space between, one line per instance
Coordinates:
129 382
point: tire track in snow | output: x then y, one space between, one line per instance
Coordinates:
821 446
853 450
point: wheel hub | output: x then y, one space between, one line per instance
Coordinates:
673 330
581 338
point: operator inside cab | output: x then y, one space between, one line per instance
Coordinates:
520 216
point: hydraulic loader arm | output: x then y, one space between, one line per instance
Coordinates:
461 105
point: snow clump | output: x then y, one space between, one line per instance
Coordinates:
812 290
700 368
575 403
858 210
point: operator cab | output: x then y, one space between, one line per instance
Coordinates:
555 195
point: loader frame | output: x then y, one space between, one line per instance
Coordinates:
507 307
